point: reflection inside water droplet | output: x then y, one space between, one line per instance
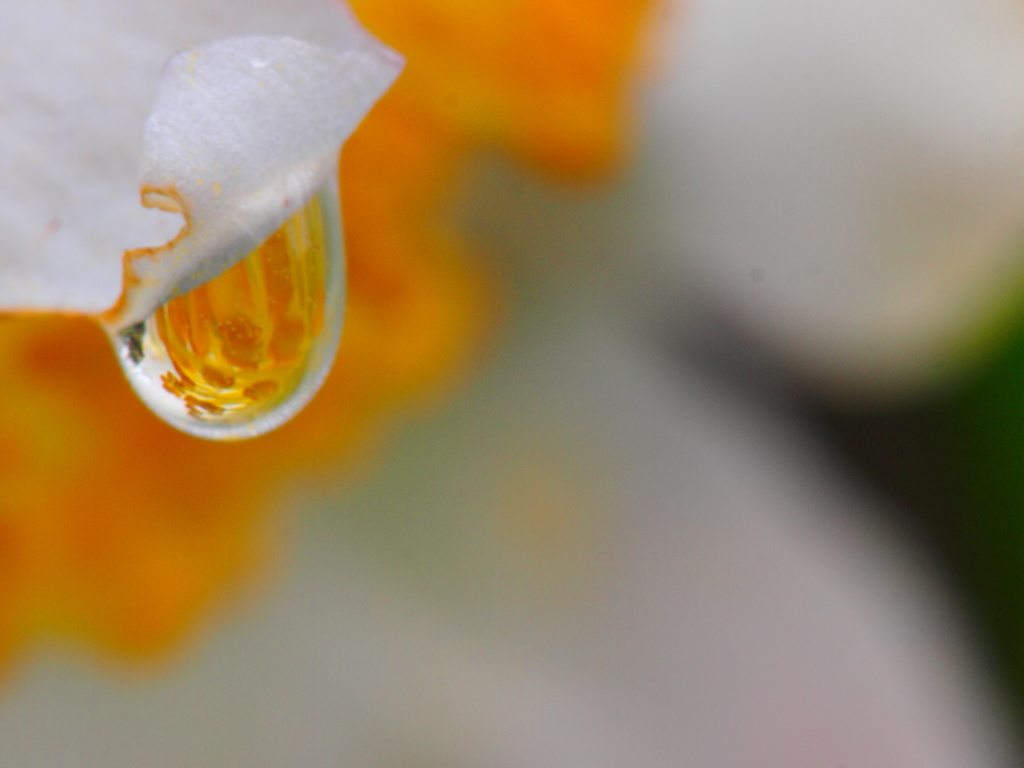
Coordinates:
243 353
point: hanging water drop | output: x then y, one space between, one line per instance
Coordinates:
243 353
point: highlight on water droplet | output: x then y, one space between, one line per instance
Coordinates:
241 354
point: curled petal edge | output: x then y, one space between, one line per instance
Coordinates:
243 133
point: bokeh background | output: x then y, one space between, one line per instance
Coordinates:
680 422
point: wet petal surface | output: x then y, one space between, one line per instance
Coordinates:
75 139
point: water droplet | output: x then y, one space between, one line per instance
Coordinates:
243 353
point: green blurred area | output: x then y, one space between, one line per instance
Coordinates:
982 531
954 465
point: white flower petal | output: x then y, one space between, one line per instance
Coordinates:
243 132
77 81
847 179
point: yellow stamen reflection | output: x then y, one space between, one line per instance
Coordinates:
222 360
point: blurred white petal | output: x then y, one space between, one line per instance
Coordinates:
741 611
847 178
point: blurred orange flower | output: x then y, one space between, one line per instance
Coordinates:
117 530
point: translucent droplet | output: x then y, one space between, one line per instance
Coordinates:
243 353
